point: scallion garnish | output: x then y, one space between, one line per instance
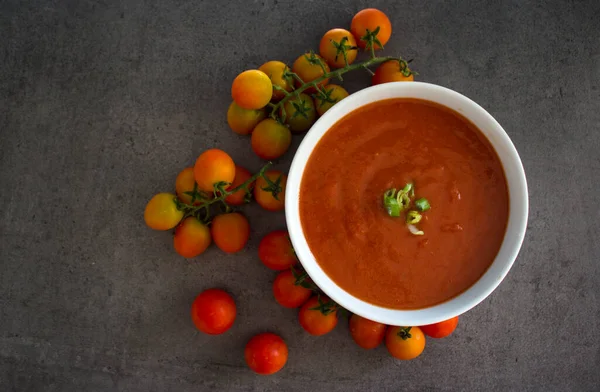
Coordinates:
422 204
395 201
413 217
392 206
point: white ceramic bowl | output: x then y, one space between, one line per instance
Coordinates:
517 218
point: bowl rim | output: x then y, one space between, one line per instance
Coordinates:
517 189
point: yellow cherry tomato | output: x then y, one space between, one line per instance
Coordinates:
309 67
252 89
334 94
392 71
275 70
331 44
161 212
242 121
300 113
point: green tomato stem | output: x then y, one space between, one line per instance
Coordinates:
202 210
329 75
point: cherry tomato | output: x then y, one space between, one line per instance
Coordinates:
271 139
185 183
191 238
392 71
366 333
307 67
161 212
242 121
213 166
331 44
367 21
213 311
405 342
266 353
441 329
252 89
315 321
276 252
300 112
287 293
230 231
241 176
275 70
334 93
264 197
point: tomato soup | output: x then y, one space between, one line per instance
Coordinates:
375 256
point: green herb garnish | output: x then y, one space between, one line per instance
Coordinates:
413 217
396 201
422 204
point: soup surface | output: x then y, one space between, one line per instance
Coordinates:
373 255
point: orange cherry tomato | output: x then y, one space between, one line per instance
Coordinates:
230 231
271 139
213 311
334 93
441 329
185 183
405 342
307 67
331 44
367 21
366 333
392 71
264 197
300 113
252 89
315 321
266 353
242 121
275 70
161 212
191 238
287 293
213 166
276 252
241 176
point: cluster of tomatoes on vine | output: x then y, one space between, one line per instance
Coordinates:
274 101
269 104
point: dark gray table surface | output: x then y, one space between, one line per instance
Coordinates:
102 103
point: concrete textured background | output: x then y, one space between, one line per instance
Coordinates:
102 103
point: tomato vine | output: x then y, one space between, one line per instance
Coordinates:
202 202
278 109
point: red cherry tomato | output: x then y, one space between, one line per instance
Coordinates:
241 175
230 232
276 252
213 311
287 293
266 353
316 319
191 238
366 333
441 329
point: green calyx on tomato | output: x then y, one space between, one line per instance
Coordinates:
326 307
273 186
404 333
